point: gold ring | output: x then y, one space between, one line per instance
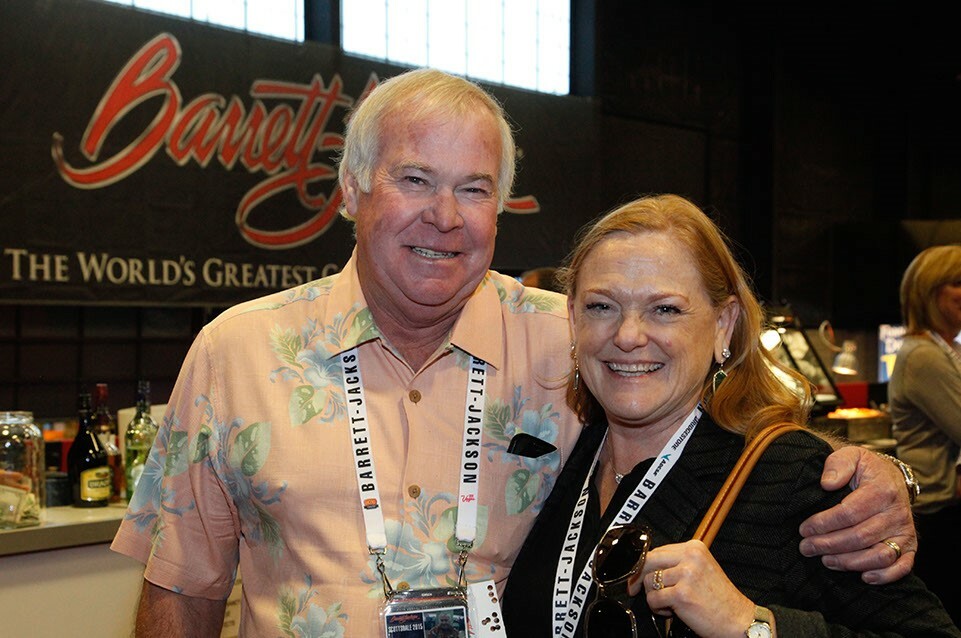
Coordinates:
658 579
894 546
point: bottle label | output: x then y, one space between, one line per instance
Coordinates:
95 484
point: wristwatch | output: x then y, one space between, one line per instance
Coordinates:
761 627
914 488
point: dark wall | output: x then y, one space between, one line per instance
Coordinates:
825 141
811 129
667 82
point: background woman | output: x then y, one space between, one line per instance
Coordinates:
925 399
661 314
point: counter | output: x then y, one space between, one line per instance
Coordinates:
64 527
62 579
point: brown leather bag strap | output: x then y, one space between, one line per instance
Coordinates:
725 498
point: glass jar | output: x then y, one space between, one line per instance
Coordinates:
22 471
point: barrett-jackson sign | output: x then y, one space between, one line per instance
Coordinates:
162 182
278 142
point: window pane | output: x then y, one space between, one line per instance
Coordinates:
553 47
364 27
279 19
518 42
228 14
485 40
407 32
447 44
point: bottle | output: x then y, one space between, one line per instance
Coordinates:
138 438
105 425
22 473
87 465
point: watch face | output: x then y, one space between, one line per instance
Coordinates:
759 630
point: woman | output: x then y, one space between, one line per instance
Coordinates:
664 324
925 398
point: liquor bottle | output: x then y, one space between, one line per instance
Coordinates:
87 462
138 438
105 425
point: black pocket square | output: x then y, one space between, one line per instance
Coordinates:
528 445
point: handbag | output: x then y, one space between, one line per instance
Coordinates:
716 513
726 496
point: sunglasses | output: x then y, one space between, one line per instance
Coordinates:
618 558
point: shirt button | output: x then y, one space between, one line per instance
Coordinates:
414 396
413 491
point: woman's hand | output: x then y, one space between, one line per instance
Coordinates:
693 587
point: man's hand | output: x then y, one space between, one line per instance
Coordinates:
850 536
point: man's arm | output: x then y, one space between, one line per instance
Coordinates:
850 535
166 613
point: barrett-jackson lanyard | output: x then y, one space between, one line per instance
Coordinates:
359 432
570 596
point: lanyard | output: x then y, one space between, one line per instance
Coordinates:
367 484
948 349
570 596
955 357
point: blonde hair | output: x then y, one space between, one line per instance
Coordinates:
751 397
927 272
419 95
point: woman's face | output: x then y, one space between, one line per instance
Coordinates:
949 304
645 328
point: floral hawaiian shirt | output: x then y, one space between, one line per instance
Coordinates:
252 468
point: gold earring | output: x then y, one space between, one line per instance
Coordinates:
577 369
720 375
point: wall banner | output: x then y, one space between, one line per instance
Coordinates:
153 160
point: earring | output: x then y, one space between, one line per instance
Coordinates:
720 375
577 370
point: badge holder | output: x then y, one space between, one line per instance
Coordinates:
412 613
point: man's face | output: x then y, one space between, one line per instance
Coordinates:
425 231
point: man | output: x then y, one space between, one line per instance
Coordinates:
316 438
444 628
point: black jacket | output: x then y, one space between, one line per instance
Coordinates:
757 546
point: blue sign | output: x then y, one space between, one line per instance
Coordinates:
889 342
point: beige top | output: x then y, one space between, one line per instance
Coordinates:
253 462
